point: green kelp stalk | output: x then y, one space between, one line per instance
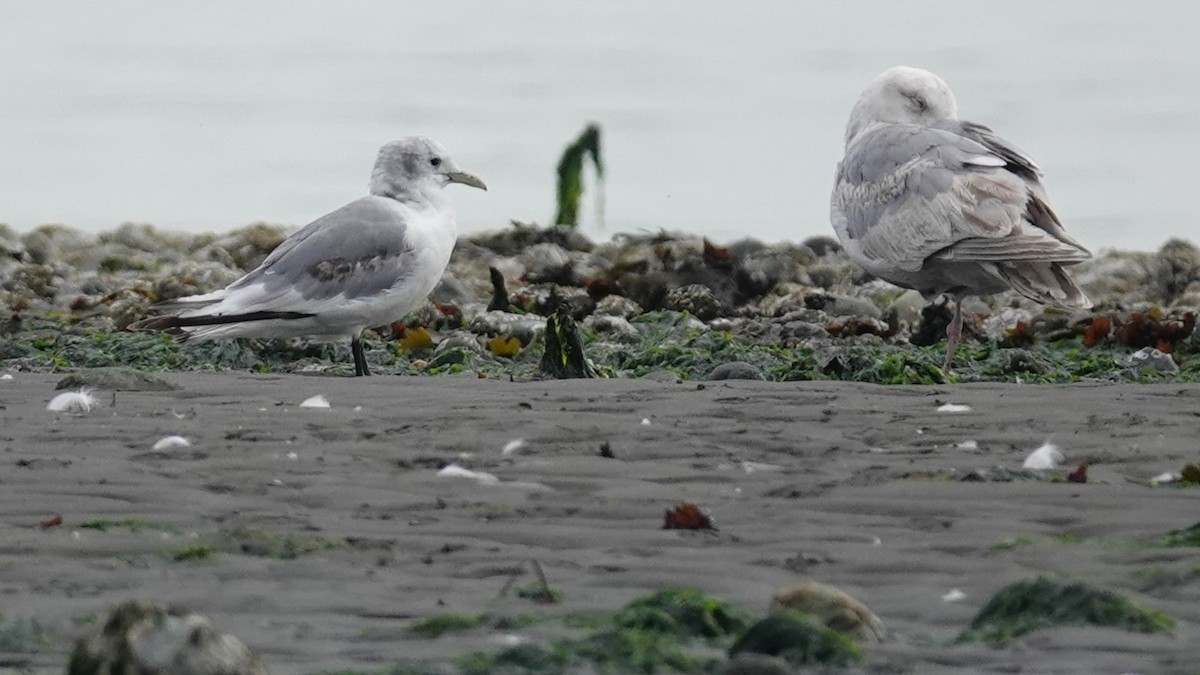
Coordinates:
570 176
564 357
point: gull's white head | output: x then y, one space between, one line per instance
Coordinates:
902 95
414 163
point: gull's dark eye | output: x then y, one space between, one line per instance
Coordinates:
919 103
435 161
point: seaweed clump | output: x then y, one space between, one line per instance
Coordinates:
1188 536
798 639
668 631
1031 605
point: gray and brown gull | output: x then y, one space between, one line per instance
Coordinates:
945 206
363 265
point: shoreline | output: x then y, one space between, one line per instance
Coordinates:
801 478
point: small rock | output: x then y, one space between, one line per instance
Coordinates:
697 299
735 370
1151 359
1176 266
617 305
845 305
547 263
525 327
822 246
140 637
832 607
1020 361
664 376
999 326
612 325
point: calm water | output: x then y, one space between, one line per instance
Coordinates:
721 118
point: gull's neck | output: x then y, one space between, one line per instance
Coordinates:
420 193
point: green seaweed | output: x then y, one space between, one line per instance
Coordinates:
683 613
263 544
570 174
521 659
193 552
665 340
1030 605
1188 536
798 639
440 624
547 595
668 631
22 635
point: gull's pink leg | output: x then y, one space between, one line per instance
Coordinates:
953 334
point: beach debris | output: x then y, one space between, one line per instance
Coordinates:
512 446
953 595
6 376
168 442
142 637
753 467
1079 475
971 445
317 401
80 401
645 421
564 357
52 521
687 516
953 408
798 639
1190 473
1046 456
1188 536
1165 477
1046 601
606 450
539 591
456 471
831 607
1151 359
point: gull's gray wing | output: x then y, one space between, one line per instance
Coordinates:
354 252
907 193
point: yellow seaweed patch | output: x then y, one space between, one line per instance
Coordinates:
416 340
501 346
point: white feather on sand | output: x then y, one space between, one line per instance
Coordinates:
73 401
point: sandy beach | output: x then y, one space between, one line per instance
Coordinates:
859 486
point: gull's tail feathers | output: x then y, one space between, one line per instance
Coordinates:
181 326
1047 283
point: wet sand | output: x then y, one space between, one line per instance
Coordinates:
853 485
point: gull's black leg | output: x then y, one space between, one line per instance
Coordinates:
360 359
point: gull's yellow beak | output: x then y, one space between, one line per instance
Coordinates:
466 179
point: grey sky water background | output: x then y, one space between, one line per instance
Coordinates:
721 118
